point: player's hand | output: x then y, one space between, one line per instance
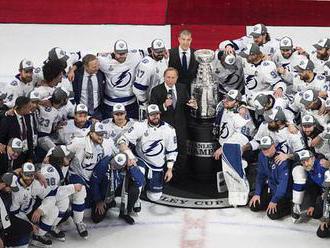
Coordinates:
278 93
168 175
166 54
272 208
131 162
255 199
325 163
281 157
192 103
70 75
310 211
35 228
281 70
266 57
10 112
217 154
168 102
315 141
323 225
300 50
292 128
322 110
41 178
2 148
229 50
36 215
100 207
77 187
323 94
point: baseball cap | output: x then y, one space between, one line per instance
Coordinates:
152 109
158 45
234 95
260 102
34 95
81 108
250 50
26 64
62 151
305 154
258 29
120 47
286 43
323 43
327 131
28 169
266 142
10 179
119 161
57 53
304 64
98 128
229 60
276 115
118 108
16 144
308 120
309 96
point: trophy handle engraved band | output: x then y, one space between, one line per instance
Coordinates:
203 88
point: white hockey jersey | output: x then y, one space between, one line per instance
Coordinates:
115 131
318 63
149 74
88 154
70 131
119 78
47 119
318 83
154 145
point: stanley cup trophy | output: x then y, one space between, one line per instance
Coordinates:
201 142
203 88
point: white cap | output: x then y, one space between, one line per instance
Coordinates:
250 50
258 29
34 95
16 144
158 45
119 161
286 43
120 46
234 95
98 128
305 154
152 109
230 59
28 169
308 120
118 108
26 64
57 53
305 64
266 142
309 96
81 108
323 43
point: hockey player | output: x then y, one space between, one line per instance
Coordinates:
24 205
150 72
259 36
120 68
12 159
311 132
78 127
235 128
321 55
119 124
273 185
88 151
260 74
21 85
156 149
107 182
308 181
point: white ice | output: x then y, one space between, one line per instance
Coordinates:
163 227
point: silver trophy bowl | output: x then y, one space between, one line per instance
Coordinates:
204 88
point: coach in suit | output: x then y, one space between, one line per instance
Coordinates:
173 101
183 59
88 78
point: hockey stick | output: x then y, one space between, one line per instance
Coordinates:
124 196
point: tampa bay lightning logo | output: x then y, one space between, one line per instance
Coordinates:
153 148
121 80
251 82
224 131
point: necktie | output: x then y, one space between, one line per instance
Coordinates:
24 129
90 95
184 61
171 92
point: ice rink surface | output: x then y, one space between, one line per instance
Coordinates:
163 227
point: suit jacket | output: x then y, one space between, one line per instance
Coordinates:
175 117
10 128
185 77
78 80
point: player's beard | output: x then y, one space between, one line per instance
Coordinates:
273 126
154 122
26 79
322 56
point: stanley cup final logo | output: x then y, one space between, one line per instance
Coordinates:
203 88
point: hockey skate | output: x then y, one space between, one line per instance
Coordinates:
128 219
57 234
82 230
41 241
297 215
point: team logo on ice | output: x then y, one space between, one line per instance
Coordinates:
153 148
121 80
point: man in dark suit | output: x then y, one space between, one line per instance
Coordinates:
173 101
183 59
88 85
18 124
